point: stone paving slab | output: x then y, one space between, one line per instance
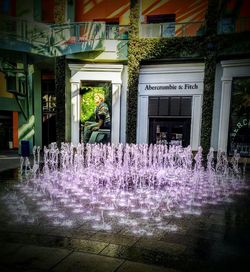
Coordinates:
34 257
139 267
203 234
143 255
87 245
35 239
116 238
59 231
79 261
82 233
8 249
161 246
176 237
13 269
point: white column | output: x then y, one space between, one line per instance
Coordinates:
75 112
196 122
123 113
115 129
224 114
142 120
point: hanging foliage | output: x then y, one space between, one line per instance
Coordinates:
60 99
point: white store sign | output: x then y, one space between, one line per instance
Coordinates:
171 80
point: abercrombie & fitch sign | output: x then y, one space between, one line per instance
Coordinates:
179 86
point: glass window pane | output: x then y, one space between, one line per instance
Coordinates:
239 126
186 105
175 106
153 106
163 106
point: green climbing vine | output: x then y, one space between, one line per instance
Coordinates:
60 99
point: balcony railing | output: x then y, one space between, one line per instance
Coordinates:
21 30
230 25
172 29
39 34
116 32
87 31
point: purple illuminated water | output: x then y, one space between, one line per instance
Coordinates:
139 187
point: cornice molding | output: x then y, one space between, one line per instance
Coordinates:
96 67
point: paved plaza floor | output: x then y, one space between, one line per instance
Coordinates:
216 240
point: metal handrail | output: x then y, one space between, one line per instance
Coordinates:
196 28
231 25
39 33
20 29
172 29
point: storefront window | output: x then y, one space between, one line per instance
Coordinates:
170 120
95 116
239 126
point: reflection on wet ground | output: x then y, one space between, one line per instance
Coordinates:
216 240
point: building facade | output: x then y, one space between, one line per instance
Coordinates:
171 72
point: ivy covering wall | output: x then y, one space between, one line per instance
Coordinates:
205 48
60 99
210 56
60 72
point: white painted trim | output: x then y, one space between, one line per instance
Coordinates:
124 91
75 112
96 72
177 74
142 120
231 69
172 68
196 122
235 63
116 109
97 68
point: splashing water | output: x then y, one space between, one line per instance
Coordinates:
138 187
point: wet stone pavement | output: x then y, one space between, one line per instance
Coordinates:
216 240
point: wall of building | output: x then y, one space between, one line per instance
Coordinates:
37 107
8 7
216 107
103 10
68 105
8 104
25 9
185 11
3 87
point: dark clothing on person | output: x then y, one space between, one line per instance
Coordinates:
101 113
